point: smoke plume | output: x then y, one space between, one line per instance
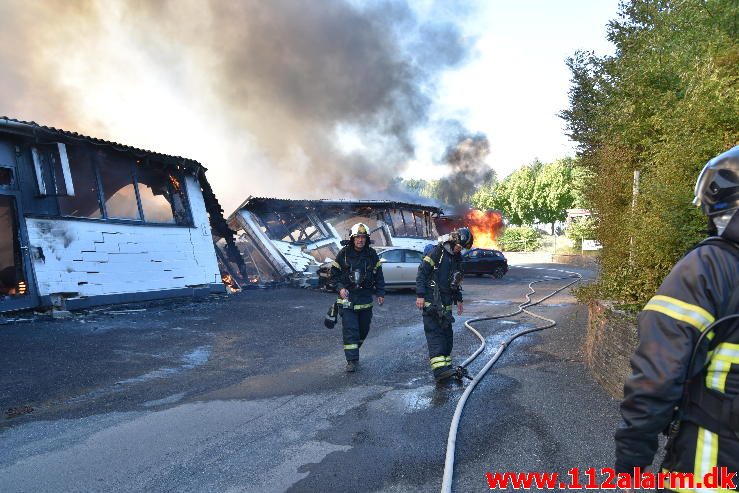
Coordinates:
466 160
282 97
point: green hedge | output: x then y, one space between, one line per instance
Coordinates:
663 104
519 239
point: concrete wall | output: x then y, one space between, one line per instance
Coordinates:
95 258
609 343
523 258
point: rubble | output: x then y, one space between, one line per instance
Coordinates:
282 240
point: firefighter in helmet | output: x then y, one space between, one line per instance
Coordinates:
357 275
685 378
438 288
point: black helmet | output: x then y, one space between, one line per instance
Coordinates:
717 188
464 236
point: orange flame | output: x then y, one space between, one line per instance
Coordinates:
485 226
175 183
230 283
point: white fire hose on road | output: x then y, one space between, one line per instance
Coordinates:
446 486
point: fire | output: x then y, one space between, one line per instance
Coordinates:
175 183
486 226
230 283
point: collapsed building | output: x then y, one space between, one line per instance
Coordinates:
284 239
85 222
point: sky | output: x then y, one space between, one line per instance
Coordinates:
305 99
516 83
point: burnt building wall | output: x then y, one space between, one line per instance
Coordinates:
89 258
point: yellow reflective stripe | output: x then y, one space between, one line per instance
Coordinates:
429 260
679 310
378 265
706 455
351 346
449 359
721 359
427 304
439 364
336 264
437 359
716 375
727 351
687 306
362 307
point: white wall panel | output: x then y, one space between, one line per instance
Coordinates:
93 258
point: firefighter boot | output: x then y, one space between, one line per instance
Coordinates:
443 373
352 365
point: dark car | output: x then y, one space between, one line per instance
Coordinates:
480 261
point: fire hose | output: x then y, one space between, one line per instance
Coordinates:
446 486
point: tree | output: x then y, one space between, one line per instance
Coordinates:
553 192
663 104
537 192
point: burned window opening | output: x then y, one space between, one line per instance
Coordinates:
114 185
86 200
287 226
13 281
258 268
6 177
161 195
51 166
117 182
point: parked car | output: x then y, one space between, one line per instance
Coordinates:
480 261
399 267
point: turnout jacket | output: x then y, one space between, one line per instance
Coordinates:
439 265
367 265
695 293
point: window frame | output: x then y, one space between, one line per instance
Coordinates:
186 202
188 221
11 185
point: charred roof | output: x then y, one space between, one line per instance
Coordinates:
258 204
36 131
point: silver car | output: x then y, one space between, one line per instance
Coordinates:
399 267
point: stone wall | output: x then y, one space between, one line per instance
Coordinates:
609 343
576 260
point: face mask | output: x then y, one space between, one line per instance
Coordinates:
730 229
721 221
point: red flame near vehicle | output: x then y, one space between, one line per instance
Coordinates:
486 227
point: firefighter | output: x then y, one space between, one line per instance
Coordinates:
357 275
685 371
438 288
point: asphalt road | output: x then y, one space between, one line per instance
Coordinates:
248 394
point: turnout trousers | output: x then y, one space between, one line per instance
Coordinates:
439 337
355 326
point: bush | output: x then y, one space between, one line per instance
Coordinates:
579 229
520 239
